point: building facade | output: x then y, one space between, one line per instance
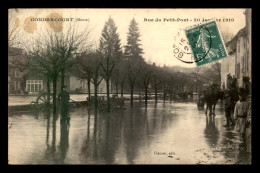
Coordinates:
81 86
238 63
35 84
17 71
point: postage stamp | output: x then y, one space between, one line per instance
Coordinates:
206 43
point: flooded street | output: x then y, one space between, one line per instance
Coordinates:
170 133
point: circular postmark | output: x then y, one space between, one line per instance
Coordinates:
181 47
192 45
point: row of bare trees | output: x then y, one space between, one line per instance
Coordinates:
119 67
111 63
52 54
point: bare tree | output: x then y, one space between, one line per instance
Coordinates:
146 77
133 69
197 70
213 73
165 80
89 67
122 75
110 49
157 76
84 70
17 58
52 53
15 32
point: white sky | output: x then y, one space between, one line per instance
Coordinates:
156 37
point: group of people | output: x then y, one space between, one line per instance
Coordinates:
238 113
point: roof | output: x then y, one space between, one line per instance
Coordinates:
233 43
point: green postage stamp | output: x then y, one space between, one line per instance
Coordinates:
206 43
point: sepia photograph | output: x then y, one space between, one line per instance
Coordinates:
129 86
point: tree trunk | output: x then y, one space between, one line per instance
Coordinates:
89 95
122 89
107 82
146 97
155 90
48 90
116 88
54 132
62 79
164 93
132 96
96 99
108 98
140 97
54 83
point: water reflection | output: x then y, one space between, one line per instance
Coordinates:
200 108
211 132
52 155
114 132
48 116
102 146
64 140
231 148
126 136
131 139
139 131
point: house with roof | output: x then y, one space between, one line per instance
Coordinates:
17 70
21 80
238 62
35 83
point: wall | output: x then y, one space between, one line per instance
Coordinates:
82 86
74 83
227 66
242 60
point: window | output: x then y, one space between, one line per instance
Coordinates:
34 85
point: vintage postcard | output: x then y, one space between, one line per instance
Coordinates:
111 86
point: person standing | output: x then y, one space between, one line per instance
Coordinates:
241 112
64 98
230 99
227 107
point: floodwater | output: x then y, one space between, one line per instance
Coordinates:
162 133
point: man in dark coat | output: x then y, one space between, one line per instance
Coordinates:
230 99
64 98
